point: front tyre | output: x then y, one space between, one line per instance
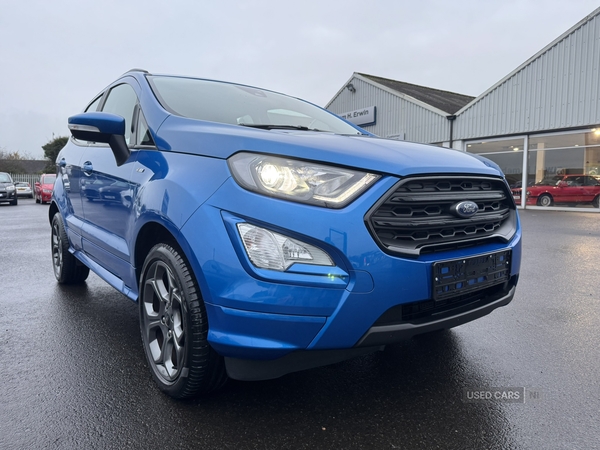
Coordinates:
174 327
545 200
67 268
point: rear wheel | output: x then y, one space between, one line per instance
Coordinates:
67 268
545 200
174 327
596 202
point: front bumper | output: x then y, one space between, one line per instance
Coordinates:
375 339
8 196
263 321
476 307
529 199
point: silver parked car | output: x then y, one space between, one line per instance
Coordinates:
24 189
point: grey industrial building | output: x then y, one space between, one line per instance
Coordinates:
542 119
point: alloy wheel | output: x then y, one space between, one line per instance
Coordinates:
162 321
57 249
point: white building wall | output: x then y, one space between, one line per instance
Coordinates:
395 115
557 88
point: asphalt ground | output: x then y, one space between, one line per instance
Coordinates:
73 373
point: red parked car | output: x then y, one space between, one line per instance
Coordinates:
562 189
44 187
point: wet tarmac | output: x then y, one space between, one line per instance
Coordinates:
73 371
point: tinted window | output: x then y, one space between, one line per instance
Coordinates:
575 181
121 101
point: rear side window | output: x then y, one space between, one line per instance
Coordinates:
143 133
121 101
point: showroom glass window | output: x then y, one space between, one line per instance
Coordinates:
564 154
507 153
548 156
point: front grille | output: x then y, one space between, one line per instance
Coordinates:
416 216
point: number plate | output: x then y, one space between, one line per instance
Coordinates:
460 276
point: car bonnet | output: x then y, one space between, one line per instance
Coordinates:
364 152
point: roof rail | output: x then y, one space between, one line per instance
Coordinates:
137 70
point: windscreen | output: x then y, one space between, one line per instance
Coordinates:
242 105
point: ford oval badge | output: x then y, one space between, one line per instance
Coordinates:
465 209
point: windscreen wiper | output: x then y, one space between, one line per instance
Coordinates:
266 126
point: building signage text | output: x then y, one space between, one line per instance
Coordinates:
363 116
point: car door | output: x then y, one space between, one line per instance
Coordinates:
70 176
566 190
107 192
577 188
590 188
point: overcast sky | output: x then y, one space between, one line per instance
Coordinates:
55 55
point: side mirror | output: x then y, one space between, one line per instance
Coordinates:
102 127
37 184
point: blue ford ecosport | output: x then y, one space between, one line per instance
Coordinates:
262 235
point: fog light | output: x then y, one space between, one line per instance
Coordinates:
269 250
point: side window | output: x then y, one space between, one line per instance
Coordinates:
121 100
94 105
143 133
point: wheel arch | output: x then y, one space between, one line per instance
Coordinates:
52 210
150 234
153 233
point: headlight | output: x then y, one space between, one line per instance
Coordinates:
269 250
299 181
10 188
47 191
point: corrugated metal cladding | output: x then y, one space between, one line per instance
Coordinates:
558 89
394 115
